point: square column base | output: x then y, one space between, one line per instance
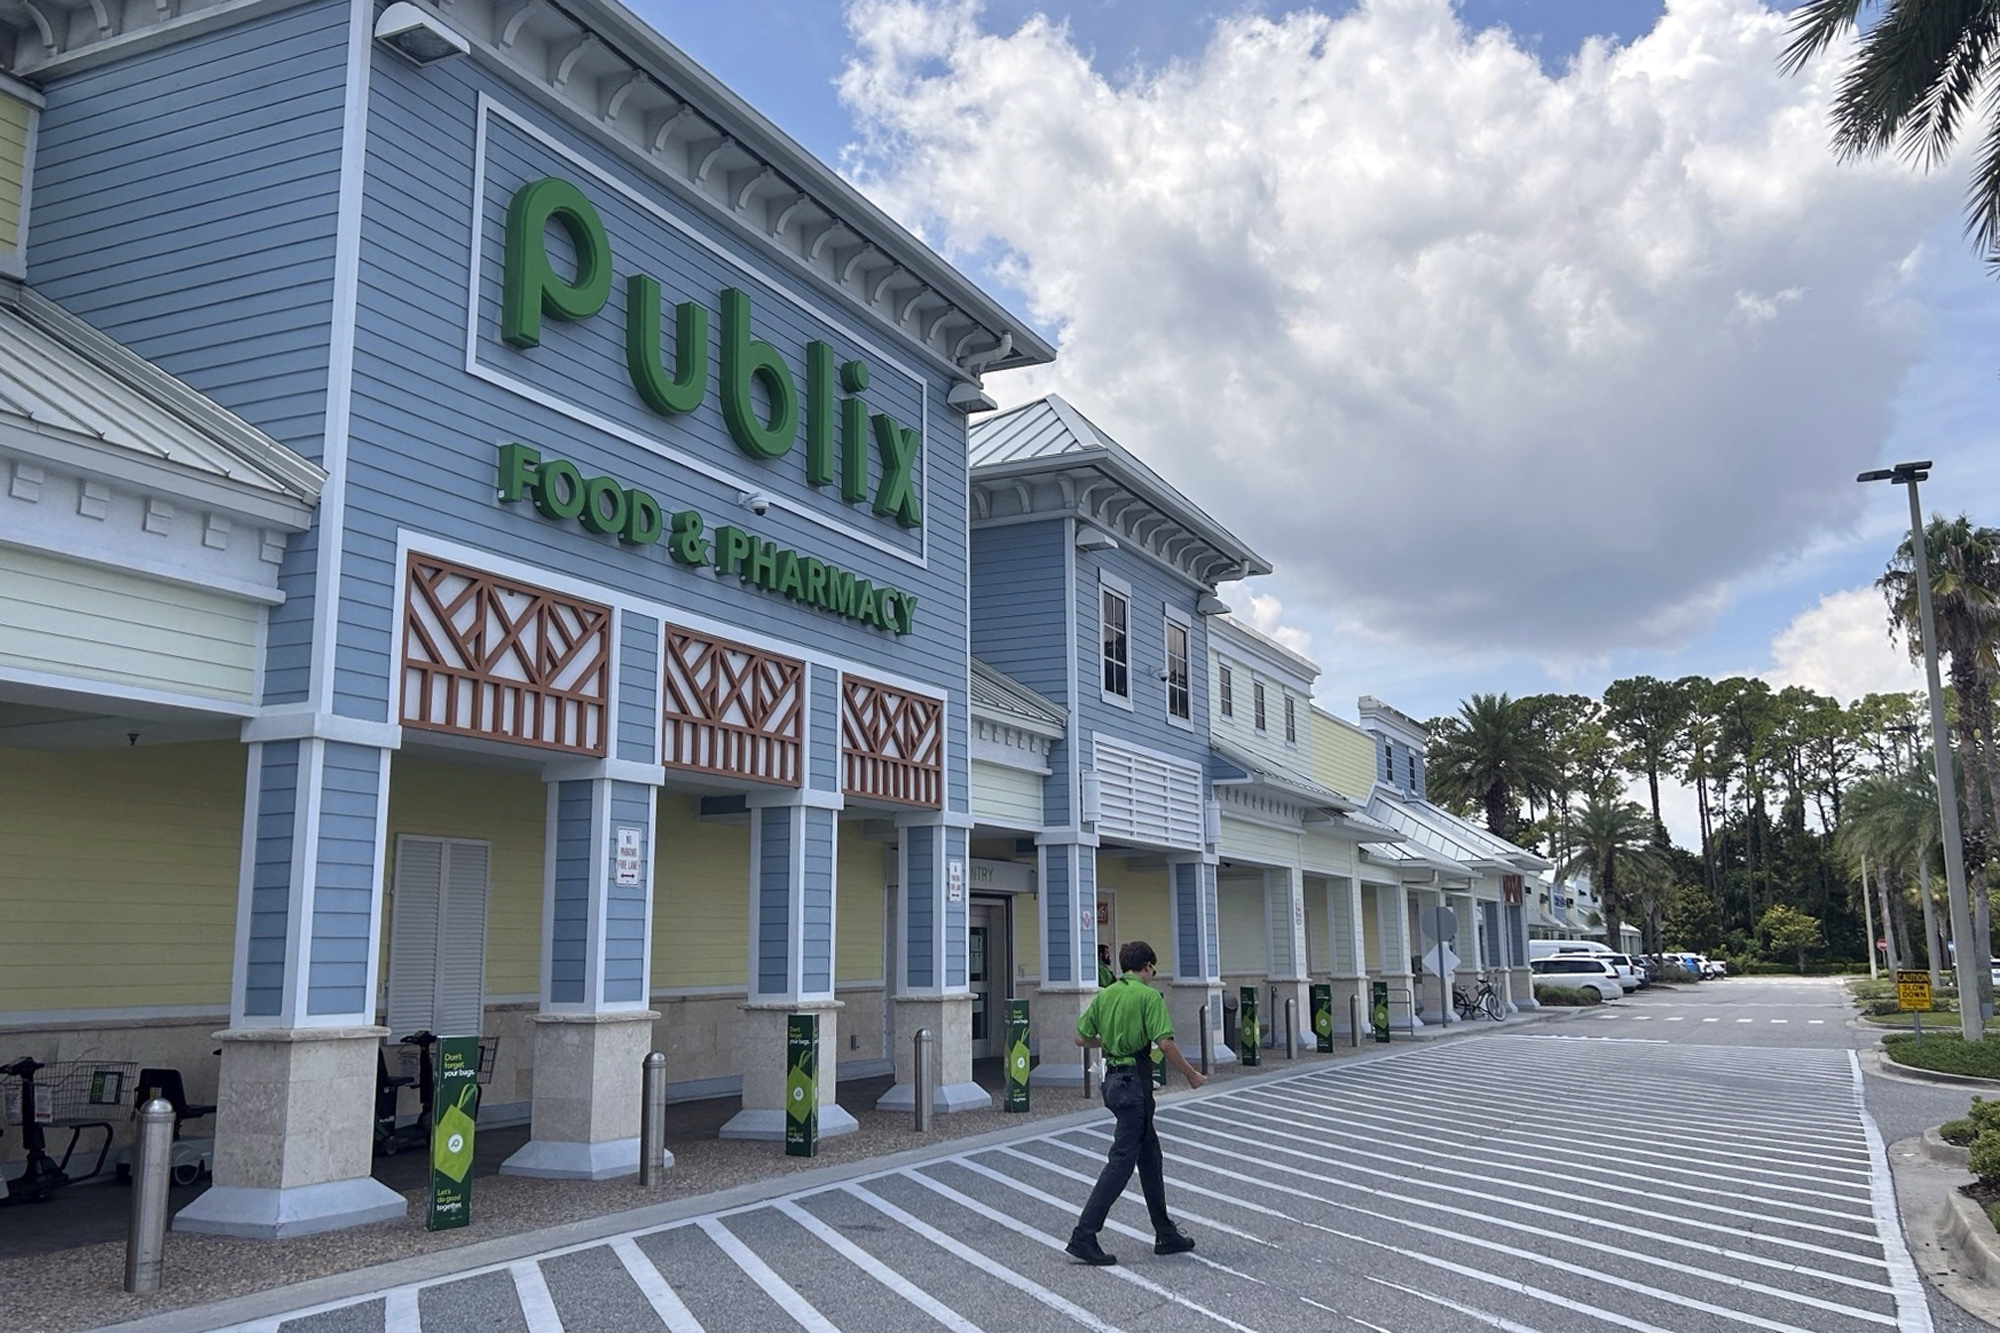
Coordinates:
1350 1007
765 1066
588 1071
1521 989
949 1017
1299 991
294 1136
1184 1002
1052 1027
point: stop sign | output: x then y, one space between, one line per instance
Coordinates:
1882 943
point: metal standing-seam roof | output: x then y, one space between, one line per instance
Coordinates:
72 396
1450 836
996 693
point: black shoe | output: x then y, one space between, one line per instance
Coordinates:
1085 1249
1173 1242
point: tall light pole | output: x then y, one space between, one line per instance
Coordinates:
1971 1026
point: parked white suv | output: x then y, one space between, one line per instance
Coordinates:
1627 970
1579 971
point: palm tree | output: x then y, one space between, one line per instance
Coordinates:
1490 754
1613 844
1916 71
1890 822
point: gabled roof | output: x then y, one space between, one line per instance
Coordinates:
1046 457
74 398
1449 836
1006 698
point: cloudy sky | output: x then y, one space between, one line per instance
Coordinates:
1536 342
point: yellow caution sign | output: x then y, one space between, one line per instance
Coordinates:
1913 990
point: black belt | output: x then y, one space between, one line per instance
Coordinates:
1128 1062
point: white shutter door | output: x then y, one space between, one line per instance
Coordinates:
413 934
461 965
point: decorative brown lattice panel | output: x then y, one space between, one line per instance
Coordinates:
891 744
732 710
494 657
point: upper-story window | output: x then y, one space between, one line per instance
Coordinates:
1291 720
1226 692
1413 770
1179 696
1117 645
1257 704
1388 762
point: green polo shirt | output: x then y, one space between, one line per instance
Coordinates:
1127 1017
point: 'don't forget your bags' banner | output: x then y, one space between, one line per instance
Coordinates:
454 1115
802 1085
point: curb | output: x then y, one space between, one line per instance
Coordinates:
1946 1154
1952 1243
1966 1228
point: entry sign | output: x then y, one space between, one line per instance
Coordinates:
1247 1027
454 1112
1322 1005
1913 989
802 1085
1378 1009
1017 1057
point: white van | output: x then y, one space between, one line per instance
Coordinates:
1554 948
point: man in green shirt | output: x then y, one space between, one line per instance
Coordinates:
1127 1019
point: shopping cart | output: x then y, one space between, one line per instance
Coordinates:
76 1095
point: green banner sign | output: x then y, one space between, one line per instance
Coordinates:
1017 1057
1378 1009
802 1085
1247 1027
1322 1003
454 1113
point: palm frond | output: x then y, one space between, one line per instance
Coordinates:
1816 25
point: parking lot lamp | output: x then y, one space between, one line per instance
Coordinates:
1970 1024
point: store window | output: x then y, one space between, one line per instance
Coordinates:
1117 645
1226 690
1179 697
1257 705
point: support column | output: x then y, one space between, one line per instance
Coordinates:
594 1028
1068 901
1286 973
792 901
932 990
1197 957
1392 923
1347 950
294 1124
1520 980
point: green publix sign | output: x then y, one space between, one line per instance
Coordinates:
838 430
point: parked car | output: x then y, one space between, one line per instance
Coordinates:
1628 972
1711 968
1553 948
1579 971
1684 964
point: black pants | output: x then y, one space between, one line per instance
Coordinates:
1128 1095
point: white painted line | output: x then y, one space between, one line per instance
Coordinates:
1021 1228
779 1290
538 1308
1373 1328
1678 1018
878 1270
1913 1311
1781 1020
399 1311
1483 1316
1642 1018
1815 1021
655 1288
1746 1020
1711 1020
1035 1290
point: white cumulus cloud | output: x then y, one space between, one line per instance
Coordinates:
1486 357
1841 647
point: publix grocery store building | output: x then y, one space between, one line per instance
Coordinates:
483 547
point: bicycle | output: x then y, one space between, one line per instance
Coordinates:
1485 1002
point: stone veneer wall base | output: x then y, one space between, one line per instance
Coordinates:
279 1214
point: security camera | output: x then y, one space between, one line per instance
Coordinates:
756 502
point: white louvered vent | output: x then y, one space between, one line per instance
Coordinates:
1147 797
437 937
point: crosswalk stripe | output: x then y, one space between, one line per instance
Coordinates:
538 1308
1483 1316
1035 1290
655 1288
779 1290
399 1311
878 1270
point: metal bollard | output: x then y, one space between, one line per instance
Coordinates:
152 1163
1291 1028
1207 1044
920 1074
1354 1018
653 1128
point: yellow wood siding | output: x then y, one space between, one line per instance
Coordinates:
14 116
1319 852
1317 961
1140 898
701 899
1343 756
508 810
1257 842
1245 940
858 927
1006 797
119 887
109 625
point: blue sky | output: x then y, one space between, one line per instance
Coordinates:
1860 308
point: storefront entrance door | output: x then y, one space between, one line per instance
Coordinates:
986 973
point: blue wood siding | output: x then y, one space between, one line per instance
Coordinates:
818 900
1187 920
956 925
625 906
569 927
343 940
1018 628
271 879
774 899
1058 912
920 906
824 724
639 689
1145 723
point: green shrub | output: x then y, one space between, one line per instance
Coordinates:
1566 997
1984 1115
1945 1052
1984 1158
1960 1132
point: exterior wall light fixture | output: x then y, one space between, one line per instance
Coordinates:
1211 605
418 37
1095 539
